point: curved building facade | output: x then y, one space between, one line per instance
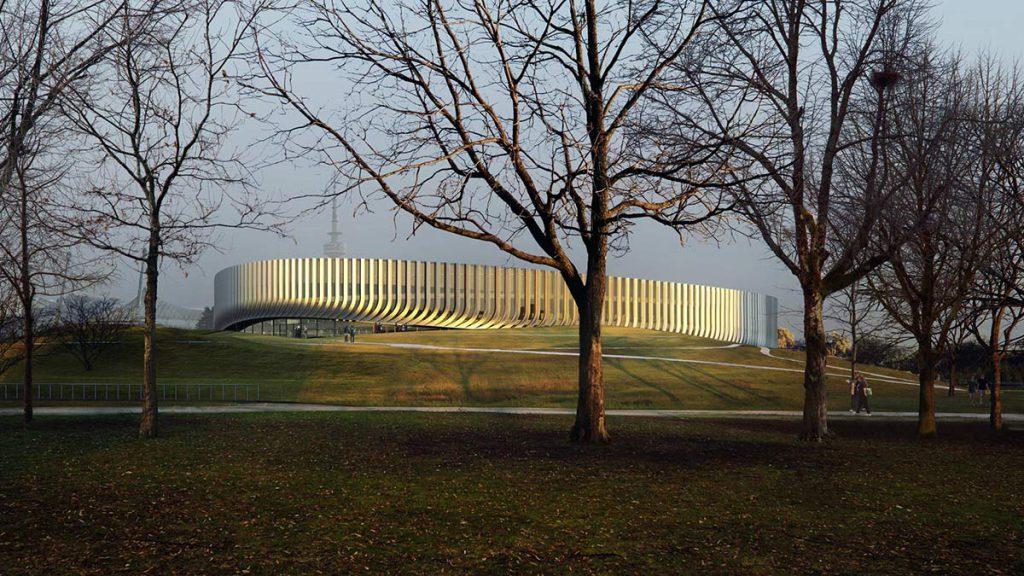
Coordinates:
470 296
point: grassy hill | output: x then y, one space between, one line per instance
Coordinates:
376 372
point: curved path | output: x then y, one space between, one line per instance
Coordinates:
261 407
560 352
873 375
726 347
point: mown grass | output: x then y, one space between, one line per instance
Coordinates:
430 494
328 370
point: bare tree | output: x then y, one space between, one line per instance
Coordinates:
958 336
995 328
858 315
88 327
46 47
160 115
946 151
799 91
511 123
998 294
36 260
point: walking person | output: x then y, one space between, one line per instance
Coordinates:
861 393
982 386
972 389
853 392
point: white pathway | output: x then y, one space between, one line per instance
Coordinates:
869 375
258 407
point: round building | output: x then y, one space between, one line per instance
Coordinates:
270 296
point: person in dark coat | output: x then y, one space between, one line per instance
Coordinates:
982 386
861 392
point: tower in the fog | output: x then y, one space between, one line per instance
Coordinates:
334 248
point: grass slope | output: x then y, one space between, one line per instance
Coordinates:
325 370
434 494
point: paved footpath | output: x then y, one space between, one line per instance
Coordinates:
261 407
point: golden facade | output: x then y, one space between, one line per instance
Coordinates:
471 296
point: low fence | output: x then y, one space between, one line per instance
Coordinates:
133 392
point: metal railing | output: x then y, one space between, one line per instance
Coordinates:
113 392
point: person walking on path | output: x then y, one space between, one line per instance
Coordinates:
982 386
972 389
861 393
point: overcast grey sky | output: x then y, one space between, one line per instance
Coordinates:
973 25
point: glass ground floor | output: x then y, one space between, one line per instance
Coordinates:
320 327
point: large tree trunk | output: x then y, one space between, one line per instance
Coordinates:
30 345
27 302
148 423
590 426
995 417
815 425
926 393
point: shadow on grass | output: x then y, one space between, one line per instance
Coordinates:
474 493
621 367
892 432
502 440
729 393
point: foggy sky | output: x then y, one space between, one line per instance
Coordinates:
973 25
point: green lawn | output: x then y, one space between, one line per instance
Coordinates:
484 494
322 370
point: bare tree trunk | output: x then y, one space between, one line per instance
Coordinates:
995 418
926 393
27 302
148 423
590 425
30 345
815 427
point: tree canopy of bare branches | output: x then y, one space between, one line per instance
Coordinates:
946 150
87 327
512 123
46 48
799 91
160 113
859 316
996 305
